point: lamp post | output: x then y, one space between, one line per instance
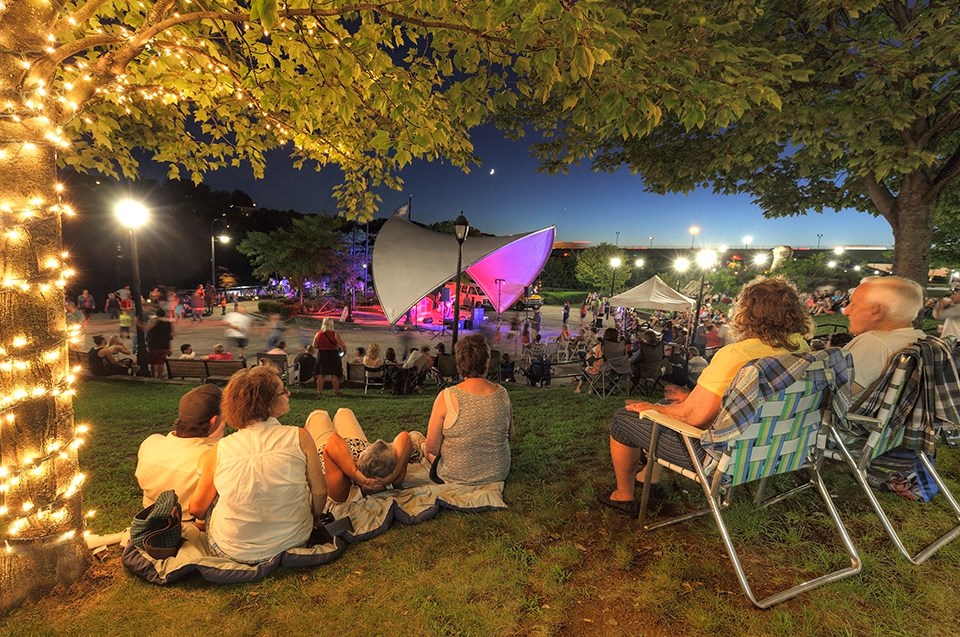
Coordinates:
694 231
213 255
617 242
747 240
461 228
650 242
639 263
681 265
819 237
614 264
706 259
132 215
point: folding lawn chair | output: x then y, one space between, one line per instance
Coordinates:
279 362
374 377
911 406
615 375
446 370
767 426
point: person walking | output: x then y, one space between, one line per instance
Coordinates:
330 347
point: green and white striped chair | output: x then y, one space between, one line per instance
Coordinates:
909 406
768 425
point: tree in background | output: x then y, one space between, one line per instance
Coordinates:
561 273
869 121
312 248
945 251
593 268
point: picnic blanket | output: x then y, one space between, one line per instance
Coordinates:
419 500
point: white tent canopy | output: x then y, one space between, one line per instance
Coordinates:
653 294
409 262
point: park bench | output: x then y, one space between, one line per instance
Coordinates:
203 370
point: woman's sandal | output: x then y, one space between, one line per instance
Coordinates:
628 508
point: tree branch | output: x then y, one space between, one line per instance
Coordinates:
79 16
882 198
947 173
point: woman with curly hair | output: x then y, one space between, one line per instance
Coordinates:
769 320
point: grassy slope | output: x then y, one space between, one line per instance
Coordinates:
555 563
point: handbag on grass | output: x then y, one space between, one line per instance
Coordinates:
157 529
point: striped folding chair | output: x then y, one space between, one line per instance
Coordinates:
909 407
768 425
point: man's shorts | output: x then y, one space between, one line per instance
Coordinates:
241 342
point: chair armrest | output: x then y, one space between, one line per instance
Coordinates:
868 422
672 423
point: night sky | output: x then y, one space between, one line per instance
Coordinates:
506 195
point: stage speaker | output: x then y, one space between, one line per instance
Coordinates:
445 294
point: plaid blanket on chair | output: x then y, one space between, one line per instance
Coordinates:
929 399
756 383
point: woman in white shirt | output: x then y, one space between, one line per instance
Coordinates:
268 476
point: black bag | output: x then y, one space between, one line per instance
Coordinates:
157 529
539 373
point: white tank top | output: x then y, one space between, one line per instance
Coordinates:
264 505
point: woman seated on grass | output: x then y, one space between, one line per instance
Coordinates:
348 458
468 437
268 476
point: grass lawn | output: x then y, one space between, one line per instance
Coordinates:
554 563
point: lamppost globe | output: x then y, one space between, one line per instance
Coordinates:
706 259
223 239
638 263
131 213
761 258
694 231
682 264
615 262
722 248
838 250
747 240
831 263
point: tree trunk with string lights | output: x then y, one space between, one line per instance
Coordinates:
41 519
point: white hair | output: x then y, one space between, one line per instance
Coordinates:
326 325
901 299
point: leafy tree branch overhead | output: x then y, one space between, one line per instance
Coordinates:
367 86
869 120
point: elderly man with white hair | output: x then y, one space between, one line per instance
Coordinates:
881 314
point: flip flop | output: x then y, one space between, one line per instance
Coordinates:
628 508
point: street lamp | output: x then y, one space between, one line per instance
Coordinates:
639 263
838 250
614 264
213 254
747 240
461 228
650 242
819 237
760 259
694 231
681 265
132 215
706 259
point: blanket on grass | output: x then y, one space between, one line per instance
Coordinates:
418 501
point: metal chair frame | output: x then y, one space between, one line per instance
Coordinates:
883 437
718 487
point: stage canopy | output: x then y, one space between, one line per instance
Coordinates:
409 262
653 294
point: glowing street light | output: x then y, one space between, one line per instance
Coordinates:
838 250
747 240
615 263
133 215
831 263
694 231
760 259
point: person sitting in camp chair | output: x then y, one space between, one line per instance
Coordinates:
770 320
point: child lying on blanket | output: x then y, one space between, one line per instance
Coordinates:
348 458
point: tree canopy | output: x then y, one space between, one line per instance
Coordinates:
867 120
593 268
367 86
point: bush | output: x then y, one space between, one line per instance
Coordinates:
286 310
557 297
